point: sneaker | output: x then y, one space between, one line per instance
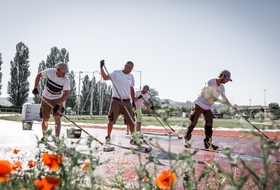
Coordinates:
43 140
187 144
209 145
108 139
187 137
133 142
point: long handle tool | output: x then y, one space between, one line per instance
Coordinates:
160 121
42 98
124 105
250 123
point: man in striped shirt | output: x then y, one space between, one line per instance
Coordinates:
56 91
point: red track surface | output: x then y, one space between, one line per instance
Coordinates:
243 144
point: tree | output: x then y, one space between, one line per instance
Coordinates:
85 97
36 99
57 56
71 101
274 105
18 87
106 92
1 62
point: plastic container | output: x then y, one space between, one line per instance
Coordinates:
27 125
74 133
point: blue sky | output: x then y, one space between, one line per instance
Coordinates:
177 45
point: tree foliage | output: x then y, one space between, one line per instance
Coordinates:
274 105
85 95
18 86
36 99
71 101
57 56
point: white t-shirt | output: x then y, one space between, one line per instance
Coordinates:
123 82
204 99
54 85
139 102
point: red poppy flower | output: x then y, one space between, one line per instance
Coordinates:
145 179
47 183
17 164
53 161
15 151
166 179
86 164
6 168
31 164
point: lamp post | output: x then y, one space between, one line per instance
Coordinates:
79 91
140 78
264 97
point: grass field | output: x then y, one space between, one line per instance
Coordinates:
173 121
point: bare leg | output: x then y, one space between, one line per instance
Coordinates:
44 126
127 129
131 126
109 129
57 125
138 124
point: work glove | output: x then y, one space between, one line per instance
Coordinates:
55 108
102 63
133 105
35 91
152 107
139 97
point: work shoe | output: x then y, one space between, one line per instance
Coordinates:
108 139
187 144
187 137
43 140
209 145
133 142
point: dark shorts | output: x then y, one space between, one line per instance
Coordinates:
195 114
117 108
47 109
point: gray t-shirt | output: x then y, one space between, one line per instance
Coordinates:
210 89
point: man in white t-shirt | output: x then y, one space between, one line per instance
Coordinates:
140 96
56 91
123 95
202 105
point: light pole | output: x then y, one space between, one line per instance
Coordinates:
264 97
140 78
79 91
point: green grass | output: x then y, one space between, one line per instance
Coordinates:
173 121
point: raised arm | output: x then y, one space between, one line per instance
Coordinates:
103 74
